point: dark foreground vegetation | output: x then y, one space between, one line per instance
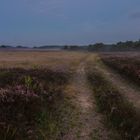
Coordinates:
32 104
128 65
120 114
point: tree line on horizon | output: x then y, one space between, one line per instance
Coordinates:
120 46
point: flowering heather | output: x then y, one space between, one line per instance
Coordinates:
23 95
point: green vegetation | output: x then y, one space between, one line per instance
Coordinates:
120 46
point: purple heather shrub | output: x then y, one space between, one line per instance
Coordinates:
21 100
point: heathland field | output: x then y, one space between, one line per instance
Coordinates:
67 95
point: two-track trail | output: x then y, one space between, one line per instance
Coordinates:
130 91
90 123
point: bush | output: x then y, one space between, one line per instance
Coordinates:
24 96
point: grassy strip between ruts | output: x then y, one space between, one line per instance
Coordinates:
120 114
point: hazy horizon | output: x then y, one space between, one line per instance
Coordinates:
68 22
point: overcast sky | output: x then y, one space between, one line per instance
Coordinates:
40 22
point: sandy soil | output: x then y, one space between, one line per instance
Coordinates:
90 125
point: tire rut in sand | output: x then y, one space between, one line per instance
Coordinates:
90 125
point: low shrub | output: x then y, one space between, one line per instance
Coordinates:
25 95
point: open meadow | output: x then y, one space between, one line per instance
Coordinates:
42 59
67 95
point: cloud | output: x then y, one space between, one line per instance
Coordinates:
45 5
135 15
51 9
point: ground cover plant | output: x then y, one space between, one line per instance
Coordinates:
120 114
128 65
46 96
32 104
33 101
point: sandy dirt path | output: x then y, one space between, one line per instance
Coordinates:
89 125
